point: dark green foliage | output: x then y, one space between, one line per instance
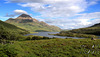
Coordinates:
41 31
31 37
7 51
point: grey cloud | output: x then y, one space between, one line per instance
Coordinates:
16 12
9 15
22 1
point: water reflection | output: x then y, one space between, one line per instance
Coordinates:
46 34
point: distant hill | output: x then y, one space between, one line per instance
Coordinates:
96 25
9 31
95 29
89 32
31 24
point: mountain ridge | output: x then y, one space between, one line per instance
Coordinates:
94 30
31 24
96 25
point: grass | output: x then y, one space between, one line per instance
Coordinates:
33 32
76 35
52 48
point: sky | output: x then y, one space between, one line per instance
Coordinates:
66 14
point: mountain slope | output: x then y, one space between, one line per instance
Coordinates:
95 29
9 31
27 22
96 25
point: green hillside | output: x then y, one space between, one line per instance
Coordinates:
9 31
88 32
95 30
26 22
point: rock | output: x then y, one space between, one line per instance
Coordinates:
93 39
24 16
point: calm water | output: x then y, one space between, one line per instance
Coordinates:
46 34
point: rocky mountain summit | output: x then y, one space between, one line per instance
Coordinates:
24 16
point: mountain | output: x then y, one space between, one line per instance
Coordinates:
31 24
9 31
10 27
24 16
89 32
94 29
96 25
